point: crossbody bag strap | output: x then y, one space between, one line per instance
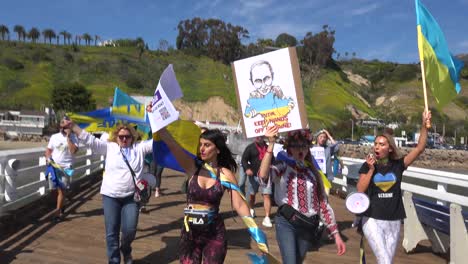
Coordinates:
131 170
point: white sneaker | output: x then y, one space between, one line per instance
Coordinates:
252 213
267 222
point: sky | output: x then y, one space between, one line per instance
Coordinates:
377 29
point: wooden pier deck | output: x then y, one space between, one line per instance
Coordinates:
80 238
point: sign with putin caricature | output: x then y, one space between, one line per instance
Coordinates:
269 92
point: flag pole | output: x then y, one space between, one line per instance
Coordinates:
423 72
426 107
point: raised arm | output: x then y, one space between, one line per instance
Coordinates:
426 117
184 159
329 137
266 161
72 146
88 139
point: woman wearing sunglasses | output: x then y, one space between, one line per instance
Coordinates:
121 210
300 195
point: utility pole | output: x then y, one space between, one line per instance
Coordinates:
352 129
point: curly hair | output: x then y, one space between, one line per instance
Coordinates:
130 128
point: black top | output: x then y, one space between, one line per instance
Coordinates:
250 158
384 191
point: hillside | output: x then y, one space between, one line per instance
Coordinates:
332 96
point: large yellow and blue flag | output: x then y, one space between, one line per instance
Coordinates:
442 70
186 133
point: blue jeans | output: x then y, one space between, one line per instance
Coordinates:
293 249
120 214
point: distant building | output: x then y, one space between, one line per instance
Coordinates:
106 43
17 123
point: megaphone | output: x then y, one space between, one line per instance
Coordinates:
357 203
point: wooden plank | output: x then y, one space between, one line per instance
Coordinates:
80 238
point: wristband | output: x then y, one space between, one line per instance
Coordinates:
269 151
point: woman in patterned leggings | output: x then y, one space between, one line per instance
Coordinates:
206 242
380 177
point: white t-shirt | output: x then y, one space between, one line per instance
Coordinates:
319 155
58 143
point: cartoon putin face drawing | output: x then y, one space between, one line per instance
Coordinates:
267 99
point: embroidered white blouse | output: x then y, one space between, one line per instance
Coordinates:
289 190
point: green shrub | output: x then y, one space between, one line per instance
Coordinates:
134 82
68 57
13 64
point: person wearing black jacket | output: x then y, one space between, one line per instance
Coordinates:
251 160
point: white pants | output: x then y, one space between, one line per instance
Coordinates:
382 236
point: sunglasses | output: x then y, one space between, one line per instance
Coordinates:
122 137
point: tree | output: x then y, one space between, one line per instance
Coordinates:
4 31
213 38
140 44
87 38
318 49
64 34
68 37
163 45
48 34
72 97
34 34
96 38
20 31
285 40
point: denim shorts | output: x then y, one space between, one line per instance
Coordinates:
255 185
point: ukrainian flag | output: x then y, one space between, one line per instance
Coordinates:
186 133
442 70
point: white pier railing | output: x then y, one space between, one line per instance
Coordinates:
22 177
442 188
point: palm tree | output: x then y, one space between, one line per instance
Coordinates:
96 38
78 39
68 36
87 38
4 31
48 34
20 31
34 34
64 33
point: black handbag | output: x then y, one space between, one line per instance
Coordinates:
142 192
308 227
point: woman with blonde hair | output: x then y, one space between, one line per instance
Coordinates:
380 178
123 171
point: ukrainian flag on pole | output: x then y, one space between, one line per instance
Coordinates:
442 70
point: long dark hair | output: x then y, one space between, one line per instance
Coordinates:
304 135
224 157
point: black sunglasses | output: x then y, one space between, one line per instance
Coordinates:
121 137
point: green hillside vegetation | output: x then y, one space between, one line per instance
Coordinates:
29 72
32 70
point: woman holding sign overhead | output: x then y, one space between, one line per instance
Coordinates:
300 195
380 178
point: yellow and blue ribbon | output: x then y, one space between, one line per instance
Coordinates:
256 233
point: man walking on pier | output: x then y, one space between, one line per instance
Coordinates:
59 155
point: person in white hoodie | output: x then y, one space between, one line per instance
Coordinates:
121 210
